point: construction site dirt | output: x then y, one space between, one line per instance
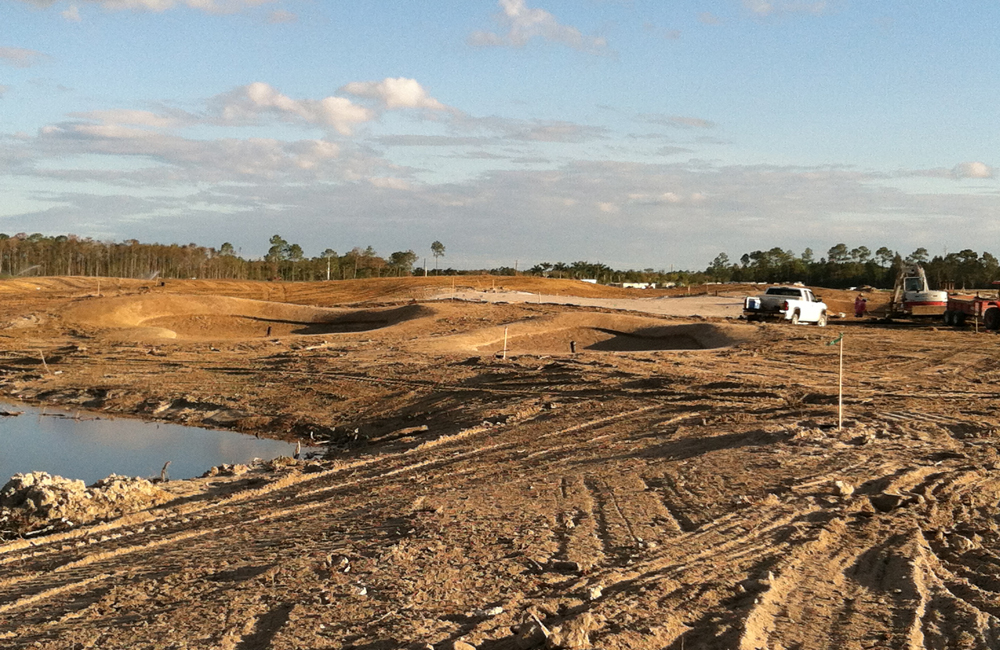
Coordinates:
679 481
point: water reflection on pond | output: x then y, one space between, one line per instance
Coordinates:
88 446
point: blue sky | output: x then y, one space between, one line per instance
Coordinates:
635 133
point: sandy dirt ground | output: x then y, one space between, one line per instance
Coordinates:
724 306
676 483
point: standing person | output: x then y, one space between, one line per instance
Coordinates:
860 306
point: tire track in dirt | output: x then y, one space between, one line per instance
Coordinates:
658 590
580 541
671 498
613 529
268 499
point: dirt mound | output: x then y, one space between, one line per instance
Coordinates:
345 292
596 332
203 317
37 501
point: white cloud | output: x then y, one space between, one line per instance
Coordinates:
390 183
308 154
531 130
767 8
759 7
554 132
186 160
973 170
20 57
394 93
280 16
959 171
158 6
524 23
663 198
691 122
681 121
671 150
249 101
111 131
132 117
708 18
72 14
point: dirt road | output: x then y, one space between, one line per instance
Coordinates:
724 306
676 483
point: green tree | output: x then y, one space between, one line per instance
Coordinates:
330 255
838 254
402 262
919 256
437 248
861 254
719 269
295 255
278 250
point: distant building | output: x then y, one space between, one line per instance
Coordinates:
634 285
590 281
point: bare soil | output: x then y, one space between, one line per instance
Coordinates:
678 482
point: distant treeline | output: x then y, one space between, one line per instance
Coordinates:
843 267
37 254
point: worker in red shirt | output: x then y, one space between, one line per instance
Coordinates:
860 306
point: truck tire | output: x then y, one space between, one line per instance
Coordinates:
991 319
958 319
821 322
795 318
949 317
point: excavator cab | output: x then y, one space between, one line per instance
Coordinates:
912 296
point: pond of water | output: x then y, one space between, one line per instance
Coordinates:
88 446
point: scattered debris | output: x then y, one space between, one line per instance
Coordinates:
32 501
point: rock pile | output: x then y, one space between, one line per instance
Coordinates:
37 501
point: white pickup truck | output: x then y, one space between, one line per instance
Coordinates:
794 304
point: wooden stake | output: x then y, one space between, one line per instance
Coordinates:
840 392
44 365
505 343
541 626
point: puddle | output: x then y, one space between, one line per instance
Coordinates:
92 447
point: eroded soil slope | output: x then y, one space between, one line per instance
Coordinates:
651 498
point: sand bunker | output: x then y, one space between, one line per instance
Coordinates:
596 332
213 317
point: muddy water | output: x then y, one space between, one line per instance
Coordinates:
88 447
